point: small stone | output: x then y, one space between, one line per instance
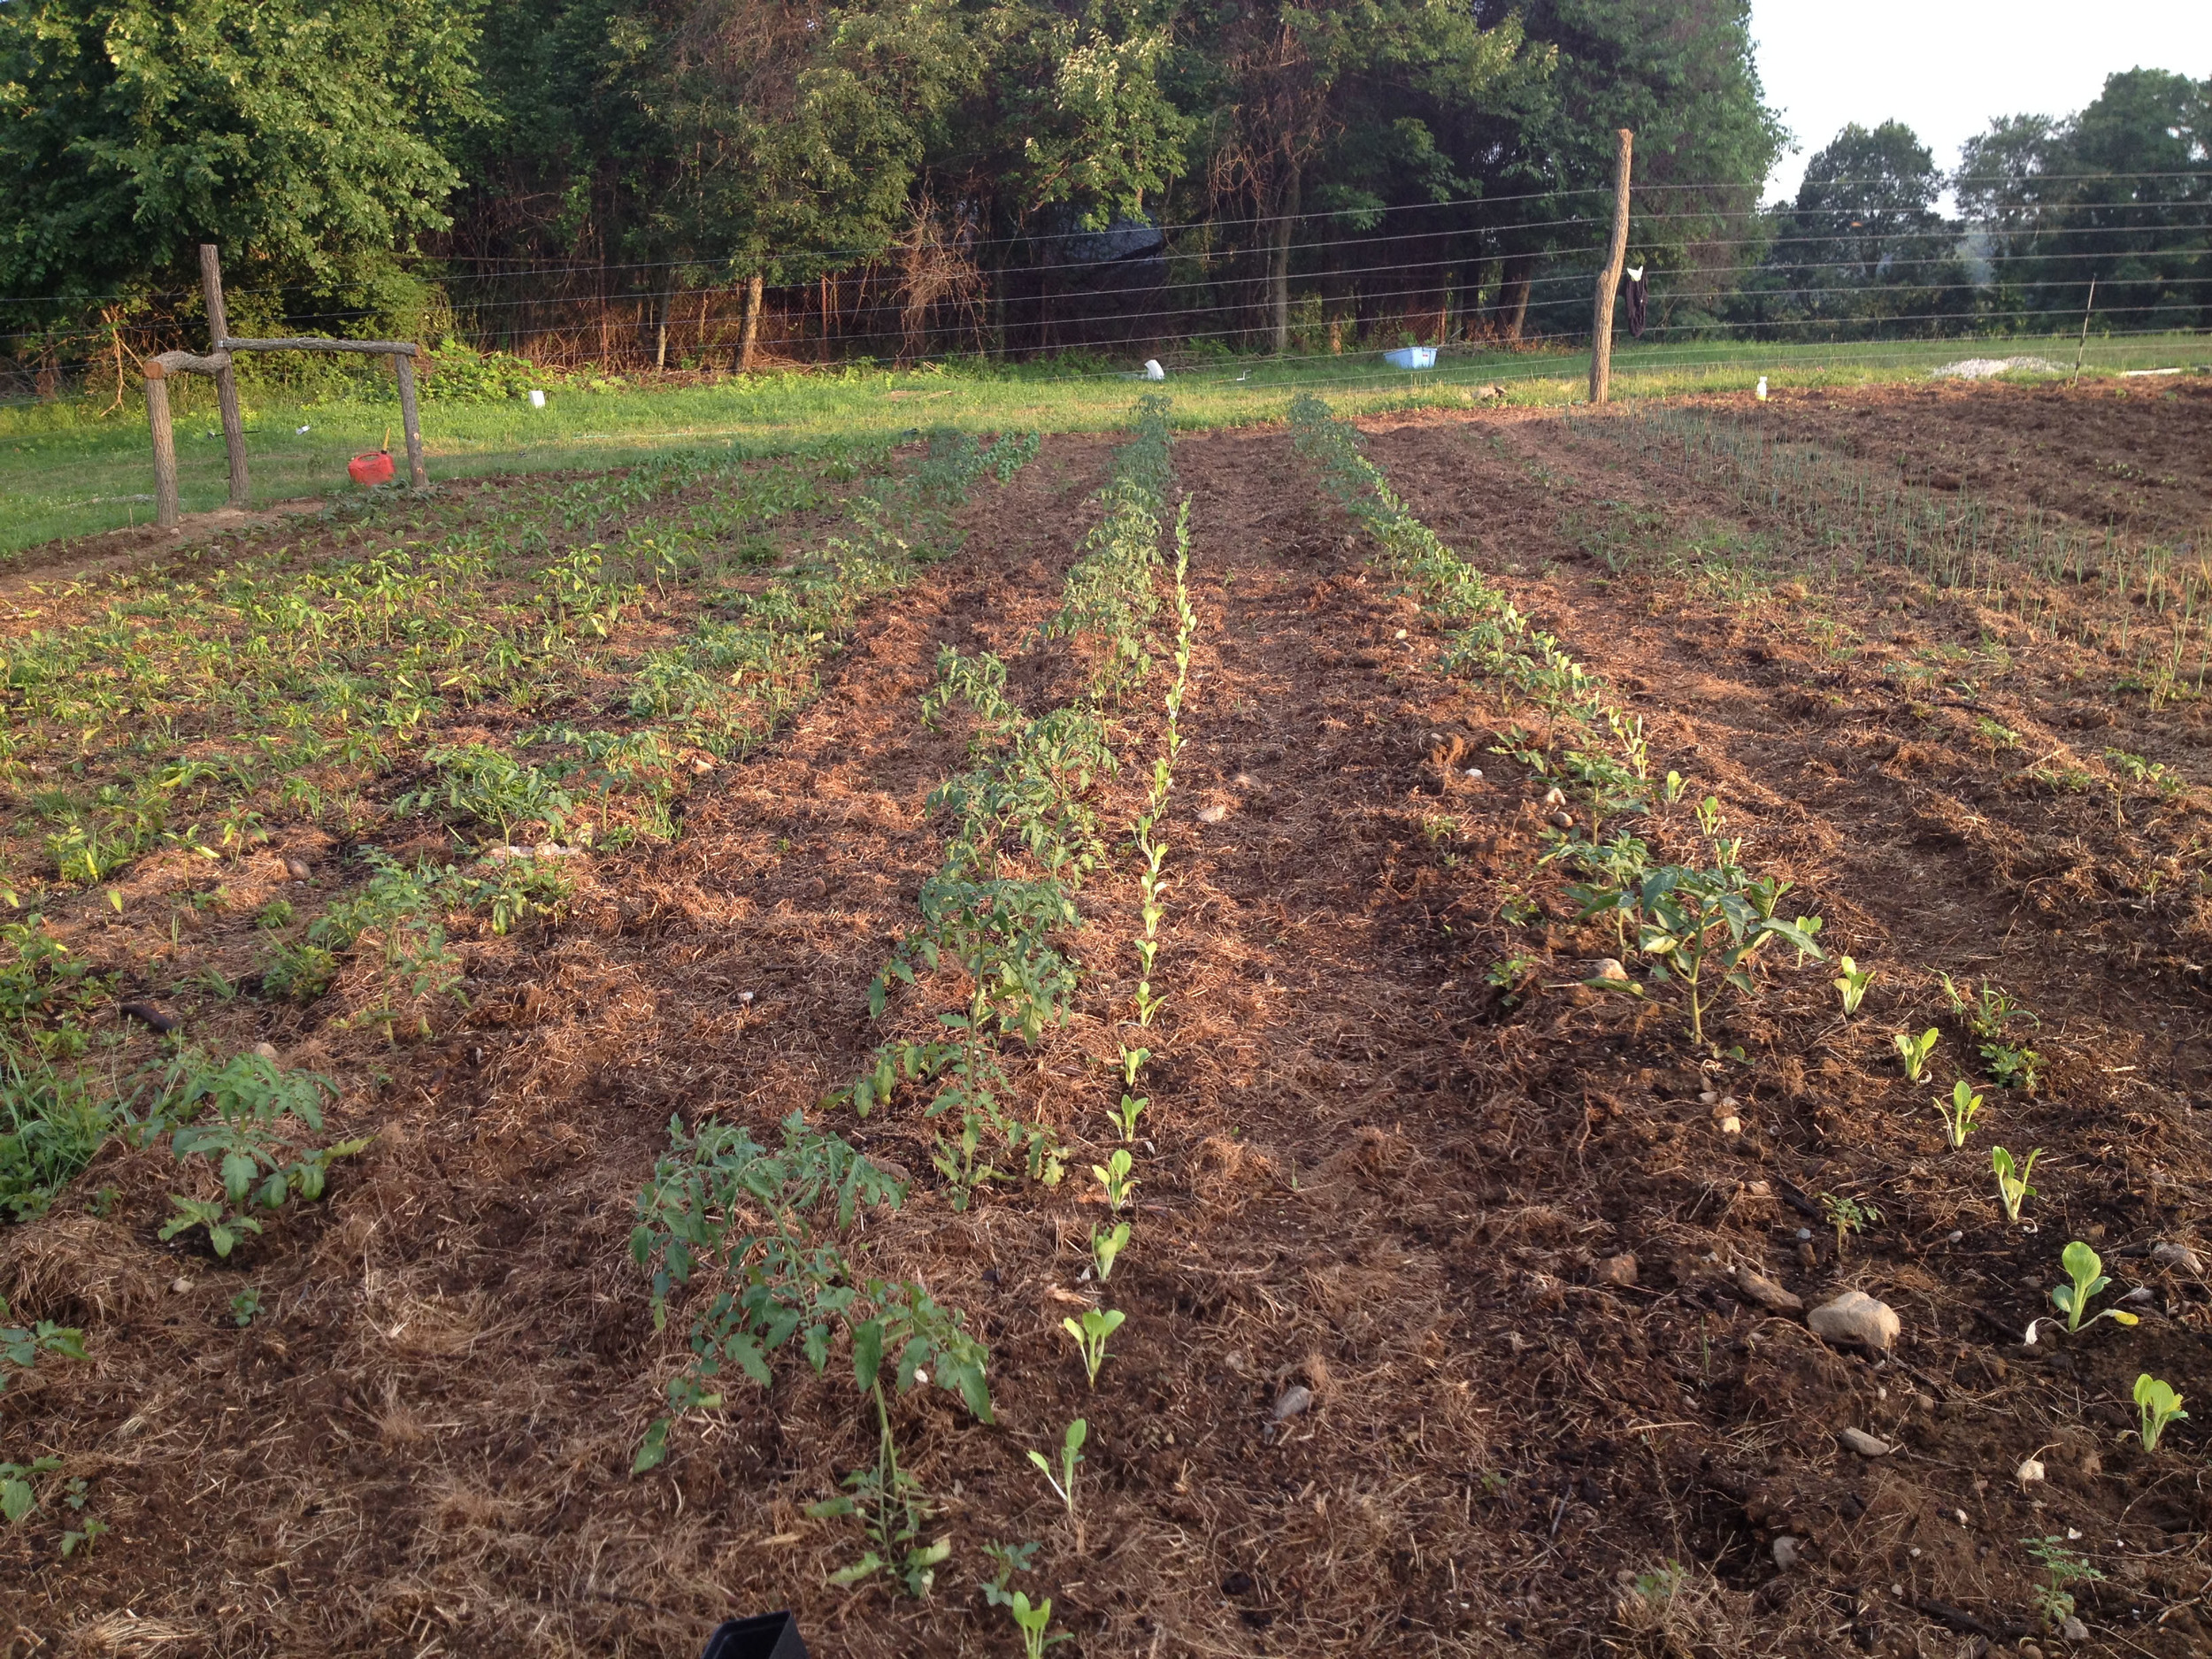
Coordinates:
1731 1124
1400 634
1609 968
266 1051
2074 1630
2179 1256
1959 1515
1855 1316
1475 773
1292 1400
1552 797
296 869
1708 1097
1616 1270
1786 1548
1953 1237
1866 1445
1561 821
1212 814
2028 1650
2030 1471
1244 780
745 996
1758 1189
1766 1292
180 1284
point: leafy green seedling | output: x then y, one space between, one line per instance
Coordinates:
1959 1112
2013 1065
1851 983
245 1304
2012 1180
1071 1454
1914 1052
1009 1559
2063 1568
2087 1273
21 1345
1848 1214
17 1496
1114 1176
1126 1114
1033 1622
1107 1247
1133 1062
2159 1405
1090 1336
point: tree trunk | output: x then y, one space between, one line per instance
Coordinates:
1513 297
1278 276
753 285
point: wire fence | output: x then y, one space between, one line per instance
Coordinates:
1453 275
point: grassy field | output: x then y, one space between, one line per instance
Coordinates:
69 469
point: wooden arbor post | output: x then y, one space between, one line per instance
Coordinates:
1610 279
226 379
157 373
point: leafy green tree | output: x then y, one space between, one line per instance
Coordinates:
1683 79
2116 194
310 138
1864 251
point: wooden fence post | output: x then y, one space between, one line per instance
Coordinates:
1610 279
225 382
166 508
404 366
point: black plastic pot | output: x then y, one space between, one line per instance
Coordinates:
763 1636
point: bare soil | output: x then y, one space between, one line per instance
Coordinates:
1370 1174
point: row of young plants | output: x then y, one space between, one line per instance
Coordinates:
2036 566
1025 833
1706 925
256 1128
190 712
1702 926
386 940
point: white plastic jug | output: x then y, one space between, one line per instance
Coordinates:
1762 388
1153 371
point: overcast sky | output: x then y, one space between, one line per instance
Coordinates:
1945 67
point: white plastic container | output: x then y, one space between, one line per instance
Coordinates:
1412 357
1762 388
537 398
1153 371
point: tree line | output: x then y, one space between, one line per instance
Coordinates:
677 179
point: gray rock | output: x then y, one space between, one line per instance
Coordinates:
1786 1548
1766 1292
2177 1255
296 869
1292 1400
1609 968
1855 1316
266 1050
2074 1630
1866 1445
1212 814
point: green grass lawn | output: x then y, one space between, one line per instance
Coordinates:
68 469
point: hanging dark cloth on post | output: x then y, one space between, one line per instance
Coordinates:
1636 302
